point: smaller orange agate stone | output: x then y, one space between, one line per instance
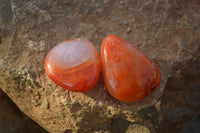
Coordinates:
74 65
129 75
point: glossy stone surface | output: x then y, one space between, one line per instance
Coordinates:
74 65
129 75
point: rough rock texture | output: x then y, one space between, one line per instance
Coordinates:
165 30
14 121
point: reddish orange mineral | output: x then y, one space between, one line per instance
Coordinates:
129 75
74 65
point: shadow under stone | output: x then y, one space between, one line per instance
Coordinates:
193 126
12 120
119 125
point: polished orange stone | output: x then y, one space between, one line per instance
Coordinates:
74 65
129 75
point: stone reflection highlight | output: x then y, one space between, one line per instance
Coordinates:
129 75
73 65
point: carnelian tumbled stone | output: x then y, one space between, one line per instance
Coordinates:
74 65
129 75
